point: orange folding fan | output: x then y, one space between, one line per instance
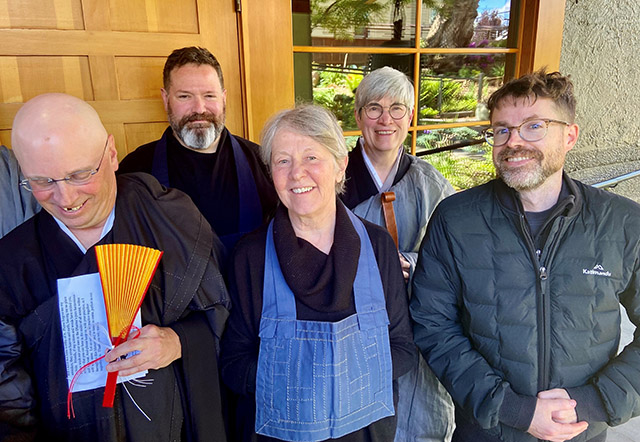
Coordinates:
125 273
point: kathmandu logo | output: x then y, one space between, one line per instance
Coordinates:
597 270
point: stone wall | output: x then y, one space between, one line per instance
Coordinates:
601 52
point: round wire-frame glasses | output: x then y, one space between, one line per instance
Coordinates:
397 111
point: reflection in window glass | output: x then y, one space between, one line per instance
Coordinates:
464 167
333 78
358 23
330 79
384 23
351 142
466 23
334 88
456 87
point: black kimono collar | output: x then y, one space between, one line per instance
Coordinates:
322 282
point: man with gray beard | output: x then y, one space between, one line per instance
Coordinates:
221 172
518 286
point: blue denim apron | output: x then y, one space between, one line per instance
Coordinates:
319 380
250 213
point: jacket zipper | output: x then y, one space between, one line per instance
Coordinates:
544 334
545 263
546 324
543 330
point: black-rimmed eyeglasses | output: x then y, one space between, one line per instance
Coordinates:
374 111
38 184
529 130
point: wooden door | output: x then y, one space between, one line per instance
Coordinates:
110 53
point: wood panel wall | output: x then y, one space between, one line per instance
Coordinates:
111 52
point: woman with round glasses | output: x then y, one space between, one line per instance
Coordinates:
379 163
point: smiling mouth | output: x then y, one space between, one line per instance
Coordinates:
299 190
515 159
385 132
199 123
73 209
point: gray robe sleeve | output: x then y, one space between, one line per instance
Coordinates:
417 195
16 203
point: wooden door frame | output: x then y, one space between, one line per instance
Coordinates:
266 61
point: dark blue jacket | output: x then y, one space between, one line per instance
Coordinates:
498 320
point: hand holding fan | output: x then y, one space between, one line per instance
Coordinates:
126 271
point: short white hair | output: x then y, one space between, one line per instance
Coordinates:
311 121
385 82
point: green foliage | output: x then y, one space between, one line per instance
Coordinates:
339 79
497 70
463 104
351 141
432 139
456 96
343 17
462 172
498 43
469 72
324 96
464 168
428 112
335 91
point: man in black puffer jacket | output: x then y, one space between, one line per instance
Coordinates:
517 289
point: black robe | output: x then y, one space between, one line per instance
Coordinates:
187 294
209 179
322 285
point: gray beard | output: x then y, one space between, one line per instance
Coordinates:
524 180
530 178
199 138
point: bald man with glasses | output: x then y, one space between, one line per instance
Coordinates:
69 161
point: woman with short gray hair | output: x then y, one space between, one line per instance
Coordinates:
383 82
311 121
379 163
320 327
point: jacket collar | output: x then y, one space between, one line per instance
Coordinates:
569 201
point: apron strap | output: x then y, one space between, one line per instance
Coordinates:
367 287
278 301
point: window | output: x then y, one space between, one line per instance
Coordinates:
461 51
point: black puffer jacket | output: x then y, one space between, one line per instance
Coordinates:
499 321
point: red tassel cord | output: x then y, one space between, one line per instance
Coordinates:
70 411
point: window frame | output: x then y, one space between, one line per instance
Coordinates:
538 44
